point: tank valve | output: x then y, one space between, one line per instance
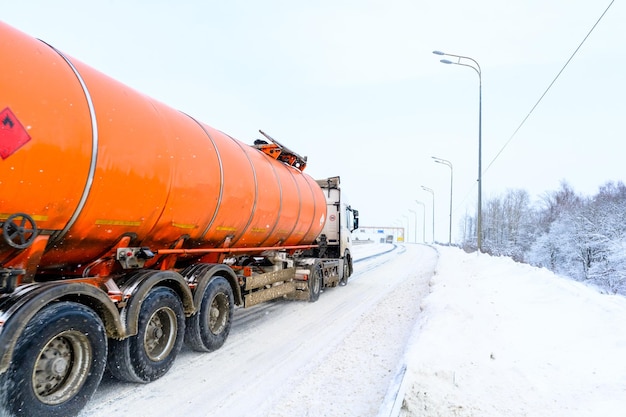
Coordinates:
132 258
145 253
19 230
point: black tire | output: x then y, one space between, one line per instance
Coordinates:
350 264
315 282
58 363
208 329
347 270
150 353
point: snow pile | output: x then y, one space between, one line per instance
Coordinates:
498 338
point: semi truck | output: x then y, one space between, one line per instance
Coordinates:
130 228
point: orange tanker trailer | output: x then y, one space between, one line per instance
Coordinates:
128 227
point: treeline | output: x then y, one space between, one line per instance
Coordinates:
583 238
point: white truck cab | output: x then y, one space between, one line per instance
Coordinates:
336 239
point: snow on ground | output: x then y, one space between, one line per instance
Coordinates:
493 338
334 357
352 380
497 338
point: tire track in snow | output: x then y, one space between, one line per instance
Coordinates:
283 349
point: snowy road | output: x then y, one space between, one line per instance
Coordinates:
284 358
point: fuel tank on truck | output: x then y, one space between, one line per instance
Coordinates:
92 160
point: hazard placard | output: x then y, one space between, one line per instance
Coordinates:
13 135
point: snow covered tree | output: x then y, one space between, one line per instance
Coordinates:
582 238
585 238
553 245
507 223
607 235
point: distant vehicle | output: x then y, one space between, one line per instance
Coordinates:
129 227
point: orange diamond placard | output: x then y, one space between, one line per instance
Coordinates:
12 133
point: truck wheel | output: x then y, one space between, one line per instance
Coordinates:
58 362
208 329
315 282
150 353
346 270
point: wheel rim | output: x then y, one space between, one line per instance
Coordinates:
160 336
62 367
218 315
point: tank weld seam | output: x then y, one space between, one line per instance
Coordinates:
221 166
94 152
256 190
280 206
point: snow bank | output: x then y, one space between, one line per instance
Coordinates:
498 338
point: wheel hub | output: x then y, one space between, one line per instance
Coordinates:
52 366
160 335
59 366
217 314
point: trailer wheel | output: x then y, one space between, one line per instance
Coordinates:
315 282
150 353
208 329
58 363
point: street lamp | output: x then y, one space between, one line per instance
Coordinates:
396 230
423 222
475 67
449 164
408 225
415 234
430 190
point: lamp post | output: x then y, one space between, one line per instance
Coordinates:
396 230
423 221
430 190
415 230
475 67
449 164
408 225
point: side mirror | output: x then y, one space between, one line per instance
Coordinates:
356 219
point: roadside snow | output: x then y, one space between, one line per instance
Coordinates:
497 338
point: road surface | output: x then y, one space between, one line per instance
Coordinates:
334 357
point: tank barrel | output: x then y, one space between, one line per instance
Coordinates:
133 167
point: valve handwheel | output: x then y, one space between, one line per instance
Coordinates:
19 230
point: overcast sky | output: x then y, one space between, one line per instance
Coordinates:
353 84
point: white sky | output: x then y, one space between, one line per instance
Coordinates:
354 86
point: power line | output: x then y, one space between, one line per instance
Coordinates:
548 89
539 101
